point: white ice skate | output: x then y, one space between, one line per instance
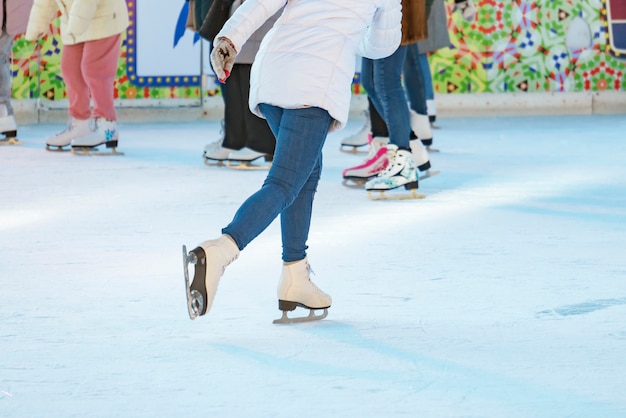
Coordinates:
210 259
296 289
104 132
243 159
375 162
8 130
216 154
76 128
401 172
431 109
359 139
420 125
467 10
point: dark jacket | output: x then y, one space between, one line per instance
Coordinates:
414 20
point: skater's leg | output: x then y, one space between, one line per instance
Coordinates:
76 86
300 135
235 104
256 131
414 81
416 91
6 42
379 127
388 96
424 65
295 220
99 67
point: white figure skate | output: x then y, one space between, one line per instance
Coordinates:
297 290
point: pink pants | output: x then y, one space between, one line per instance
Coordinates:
89 70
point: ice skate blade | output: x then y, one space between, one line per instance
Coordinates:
93 151
285 319
428 174
247 165
10 141
354 149
431 149
383 195
195 302
354 183
214 163
57 148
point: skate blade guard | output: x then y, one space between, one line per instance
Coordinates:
406 192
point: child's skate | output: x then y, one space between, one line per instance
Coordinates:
401 172
104 133
375 162
8 128
75 129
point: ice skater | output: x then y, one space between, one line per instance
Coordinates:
13 18
301 83
91 32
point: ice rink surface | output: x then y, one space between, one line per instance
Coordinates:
502 294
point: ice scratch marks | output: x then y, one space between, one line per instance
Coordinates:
583 307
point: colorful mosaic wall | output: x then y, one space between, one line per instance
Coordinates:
513 46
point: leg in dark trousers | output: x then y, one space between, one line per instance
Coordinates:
243 128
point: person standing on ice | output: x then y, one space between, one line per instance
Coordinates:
301 83
91 31
13 19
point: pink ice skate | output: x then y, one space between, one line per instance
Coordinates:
375 162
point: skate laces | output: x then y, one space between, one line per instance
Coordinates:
313 285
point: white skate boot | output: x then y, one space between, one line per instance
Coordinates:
76 128
296 289
400 172
431 109
421 159
216 154
104 133
243 158
375 162
210 259
359 139
8 128
420 125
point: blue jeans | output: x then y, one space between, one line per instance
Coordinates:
291 183
382 79
427 76
414 80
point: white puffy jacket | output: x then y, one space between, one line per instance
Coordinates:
308 58
81 20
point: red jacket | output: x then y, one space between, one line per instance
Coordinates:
17 15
